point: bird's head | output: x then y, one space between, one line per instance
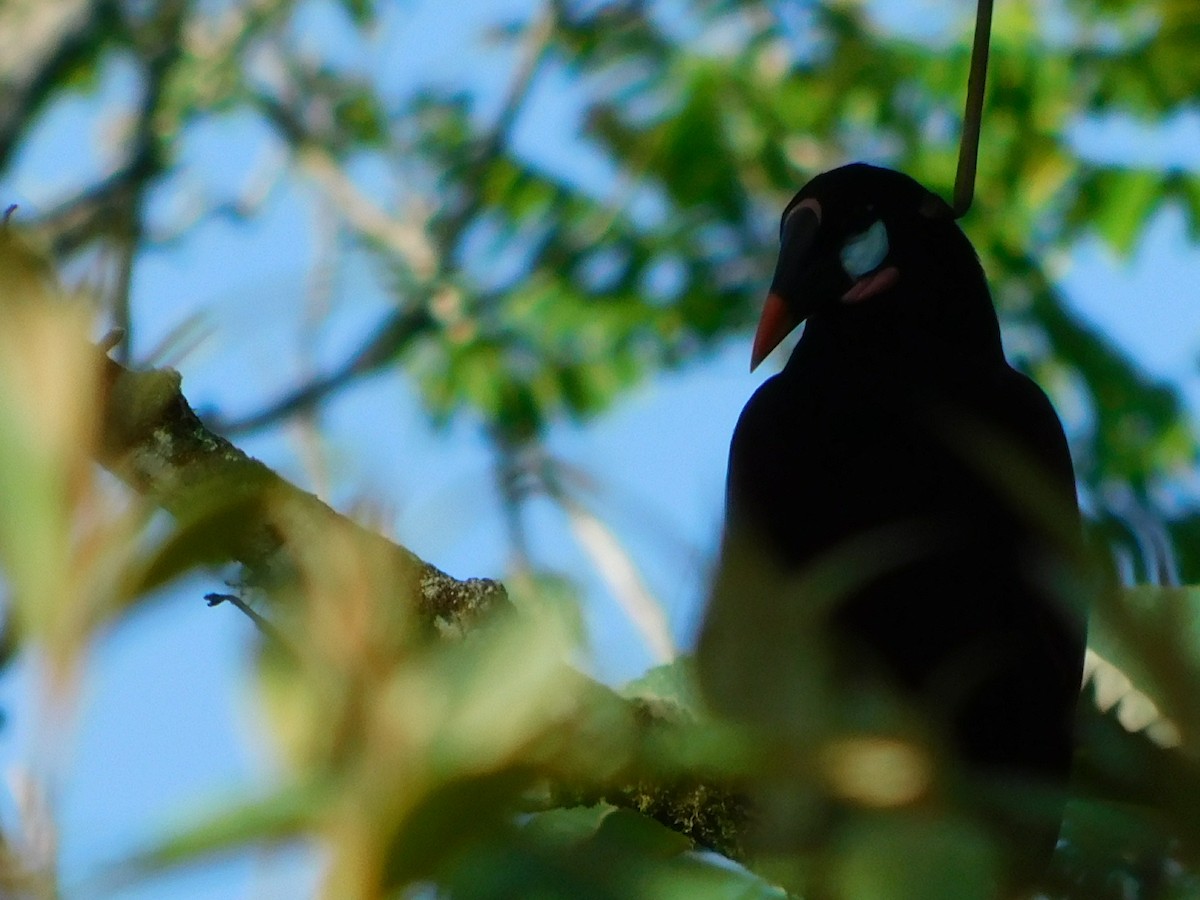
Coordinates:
855 237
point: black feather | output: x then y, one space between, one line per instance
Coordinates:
898 439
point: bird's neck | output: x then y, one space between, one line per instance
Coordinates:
902 343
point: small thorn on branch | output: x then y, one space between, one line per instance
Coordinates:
107 343
264 626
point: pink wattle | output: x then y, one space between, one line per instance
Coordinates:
870 285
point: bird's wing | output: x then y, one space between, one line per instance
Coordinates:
1023 411
752 641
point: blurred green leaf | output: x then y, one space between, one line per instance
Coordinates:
1118 203
912 857
1153 635
673 682
283 815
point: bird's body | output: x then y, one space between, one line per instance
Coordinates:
898 435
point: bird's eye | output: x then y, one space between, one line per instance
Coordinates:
809 203
865 251
786 217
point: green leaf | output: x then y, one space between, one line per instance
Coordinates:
361 11
1153 635
283 815
673 682
1118 204
912 857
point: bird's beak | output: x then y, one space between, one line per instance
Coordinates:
785 308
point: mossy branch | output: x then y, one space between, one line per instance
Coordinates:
155 443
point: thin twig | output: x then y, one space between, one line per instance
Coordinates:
617 568
407 239
387 340
532 54
397 329
968 150
266 628
45 57
91 214
512 476
163 35
122 315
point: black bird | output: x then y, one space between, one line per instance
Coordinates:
900 486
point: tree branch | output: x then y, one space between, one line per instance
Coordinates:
154 442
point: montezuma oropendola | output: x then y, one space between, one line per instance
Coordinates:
899 498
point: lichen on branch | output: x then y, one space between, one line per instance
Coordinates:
155 442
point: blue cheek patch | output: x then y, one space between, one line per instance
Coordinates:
864 252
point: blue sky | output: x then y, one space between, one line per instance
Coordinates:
167 721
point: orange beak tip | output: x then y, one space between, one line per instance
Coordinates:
774 325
